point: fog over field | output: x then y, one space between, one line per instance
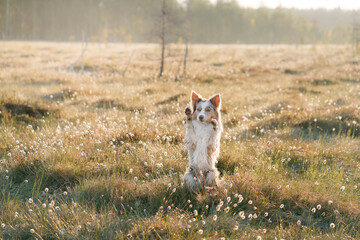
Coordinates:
195 21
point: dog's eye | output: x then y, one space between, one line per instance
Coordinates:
199 109
207 109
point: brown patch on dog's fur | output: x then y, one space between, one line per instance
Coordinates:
210 151
215 115
214 112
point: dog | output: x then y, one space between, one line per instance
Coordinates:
202 141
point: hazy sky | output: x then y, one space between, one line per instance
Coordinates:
329 4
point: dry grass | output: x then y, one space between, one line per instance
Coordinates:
98 155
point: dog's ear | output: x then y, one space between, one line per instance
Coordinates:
194 99
216 101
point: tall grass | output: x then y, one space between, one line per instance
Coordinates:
94 155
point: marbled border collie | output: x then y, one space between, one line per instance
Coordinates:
202 140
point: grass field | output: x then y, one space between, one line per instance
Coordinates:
99 155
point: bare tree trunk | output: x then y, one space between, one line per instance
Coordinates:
163 33
84 46
185 57
162 57
127 65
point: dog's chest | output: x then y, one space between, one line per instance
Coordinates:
203 136
203 132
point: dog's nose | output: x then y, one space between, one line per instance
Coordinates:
201 117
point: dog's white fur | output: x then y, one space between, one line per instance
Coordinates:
202 140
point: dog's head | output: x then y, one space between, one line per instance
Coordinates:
204 110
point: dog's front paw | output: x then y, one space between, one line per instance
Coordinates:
214 123
188 113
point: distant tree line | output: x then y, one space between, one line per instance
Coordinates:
198 21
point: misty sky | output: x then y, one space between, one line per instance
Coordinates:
329 4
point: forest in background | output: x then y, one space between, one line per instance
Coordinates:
196 21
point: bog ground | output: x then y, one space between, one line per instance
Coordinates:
99 154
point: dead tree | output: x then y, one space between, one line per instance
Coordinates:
81 57
166 24
127 64
163 35
186 35
185 57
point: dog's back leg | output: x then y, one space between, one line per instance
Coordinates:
190 180
211 177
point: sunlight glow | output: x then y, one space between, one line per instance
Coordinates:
304 4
